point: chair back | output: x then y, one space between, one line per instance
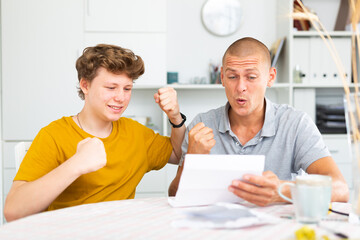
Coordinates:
20 150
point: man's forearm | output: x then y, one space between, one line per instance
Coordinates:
175 183
340 191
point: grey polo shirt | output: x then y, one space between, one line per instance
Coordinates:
289 139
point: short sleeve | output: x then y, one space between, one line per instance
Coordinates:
158 149
309 145
40 159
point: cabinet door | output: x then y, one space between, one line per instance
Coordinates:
125 15
40 44
151 47
340 151
305 99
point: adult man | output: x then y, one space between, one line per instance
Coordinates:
95 155
251 124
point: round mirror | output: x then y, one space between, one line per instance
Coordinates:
222 17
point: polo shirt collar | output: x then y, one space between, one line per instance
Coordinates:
268 128
224 123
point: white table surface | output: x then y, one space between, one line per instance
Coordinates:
151 218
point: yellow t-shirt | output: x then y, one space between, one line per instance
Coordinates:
131 149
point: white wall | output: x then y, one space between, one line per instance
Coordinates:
190 47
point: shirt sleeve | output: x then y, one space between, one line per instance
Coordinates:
40 159
159 149
309 145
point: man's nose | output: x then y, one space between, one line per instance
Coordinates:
241 87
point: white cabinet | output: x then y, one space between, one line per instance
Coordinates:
151 47
340 151
39 50
40 42
125 16
138 25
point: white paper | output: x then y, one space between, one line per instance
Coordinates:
205 178
223 215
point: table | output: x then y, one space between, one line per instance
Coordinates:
150 218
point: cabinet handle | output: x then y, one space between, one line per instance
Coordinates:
334 151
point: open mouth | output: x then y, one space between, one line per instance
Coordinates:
241 101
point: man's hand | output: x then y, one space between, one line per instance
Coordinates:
201 139
90 155
167 100
260 190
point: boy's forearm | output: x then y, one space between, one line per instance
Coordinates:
176 138
27 198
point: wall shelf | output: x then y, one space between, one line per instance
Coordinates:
196 86
316 34
320 85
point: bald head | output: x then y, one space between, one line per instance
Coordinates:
248 46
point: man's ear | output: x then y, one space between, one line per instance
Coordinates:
272 77
222 75
84 85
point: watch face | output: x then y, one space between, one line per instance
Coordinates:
222 17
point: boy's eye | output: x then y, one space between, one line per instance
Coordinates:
110 88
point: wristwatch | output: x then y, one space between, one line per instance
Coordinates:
180 124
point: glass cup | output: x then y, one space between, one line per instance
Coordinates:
311 196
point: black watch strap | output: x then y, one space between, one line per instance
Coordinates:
180 124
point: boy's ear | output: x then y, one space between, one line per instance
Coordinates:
84 85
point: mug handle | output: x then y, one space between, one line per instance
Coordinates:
280 188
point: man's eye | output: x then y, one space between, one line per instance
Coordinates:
252 77
127 89
231 77
111 88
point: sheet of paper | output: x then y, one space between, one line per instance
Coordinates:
223 215
205 178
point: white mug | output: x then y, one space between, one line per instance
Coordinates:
311 196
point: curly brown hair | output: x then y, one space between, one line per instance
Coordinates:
113 58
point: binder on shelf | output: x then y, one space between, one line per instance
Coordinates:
323 69
275 50
343 16
302 58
